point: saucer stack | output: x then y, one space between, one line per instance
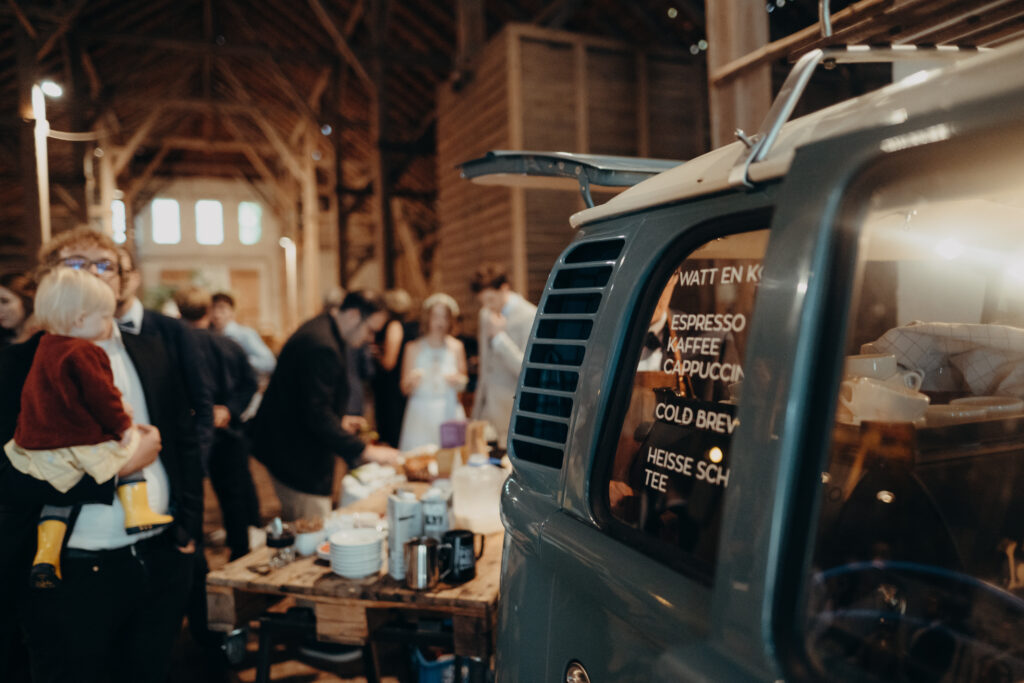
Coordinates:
356 553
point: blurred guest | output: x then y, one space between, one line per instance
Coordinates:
433 374
388 399
505 322
302 422
233 384
222 319
16 322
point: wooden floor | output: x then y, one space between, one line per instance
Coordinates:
192 665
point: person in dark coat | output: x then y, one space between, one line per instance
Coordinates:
388 399
301 424
233 384
180 343
120 604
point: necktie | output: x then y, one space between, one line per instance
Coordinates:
127 326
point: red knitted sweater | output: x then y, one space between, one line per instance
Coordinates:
69 397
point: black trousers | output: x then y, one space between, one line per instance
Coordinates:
116 614
236 493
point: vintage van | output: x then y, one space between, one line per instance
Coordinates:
769 422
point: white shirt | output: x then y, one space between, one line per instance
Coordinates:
133 317
260 357
101 527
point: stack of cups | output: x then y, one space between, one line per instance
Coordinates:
405 521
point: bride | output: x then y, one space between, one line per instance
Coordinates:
433 372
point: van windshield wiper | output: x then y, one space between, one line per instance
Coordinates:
499 167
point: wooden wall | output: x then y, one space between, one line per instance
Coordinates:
538 89
473 220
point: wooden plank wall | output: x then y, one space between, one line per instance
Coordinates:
577 94
474 220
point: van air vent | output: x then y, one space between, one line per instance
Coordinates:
551 372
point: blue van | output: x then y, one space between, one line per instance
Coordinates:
770 421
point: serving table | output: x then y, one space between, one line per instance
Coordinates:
360 612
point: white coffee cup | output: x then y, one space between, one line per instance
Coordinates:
882 366
868 398
995 406
877 365
951 414
910 379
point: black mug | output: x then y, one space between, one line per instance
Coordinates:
459 556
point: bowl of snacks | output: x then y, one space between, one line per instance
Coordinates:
309 533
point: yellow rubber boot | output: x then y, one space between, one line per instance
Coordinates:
138 516
46 565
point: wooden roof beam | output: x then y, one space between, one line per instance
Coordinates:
279 77
23 20
340 42
290 162
156 42
147 174
122 159
62 28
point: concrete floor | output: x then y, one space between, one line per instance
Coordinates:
192 665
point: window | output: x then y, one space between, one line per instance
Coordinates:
250 222
917 571
209 222
671 466
166 221
119 221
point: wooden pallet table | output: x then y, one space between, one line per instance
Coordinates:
347 610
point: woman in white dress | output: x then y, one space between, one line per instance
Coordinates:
433 374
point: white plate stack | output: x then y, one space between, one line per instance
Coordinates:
356 553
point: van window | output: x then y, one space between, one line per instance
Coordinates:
917 571
671 466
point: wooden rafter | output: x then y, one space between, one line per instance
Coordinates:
122 159
95 85
261 121
251 153
340 41
283 83
66 23
23 20
147 174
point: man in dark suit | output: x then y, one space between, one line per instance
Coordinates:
120 603
301 423
180 343
233 384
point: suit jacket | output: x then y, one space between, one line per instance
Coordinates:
501 358
232 379
180 342
297 431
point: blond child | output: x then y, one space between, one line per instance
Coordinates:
72 420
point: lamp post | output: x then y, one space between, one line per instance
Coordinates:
42 129
291 279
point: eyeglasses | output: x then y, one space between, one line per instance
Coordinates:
104 266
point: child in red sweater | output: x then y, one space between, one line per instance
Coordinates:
72 420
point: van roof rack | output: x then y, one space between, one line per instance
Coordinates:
796 82
760 144
585 169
